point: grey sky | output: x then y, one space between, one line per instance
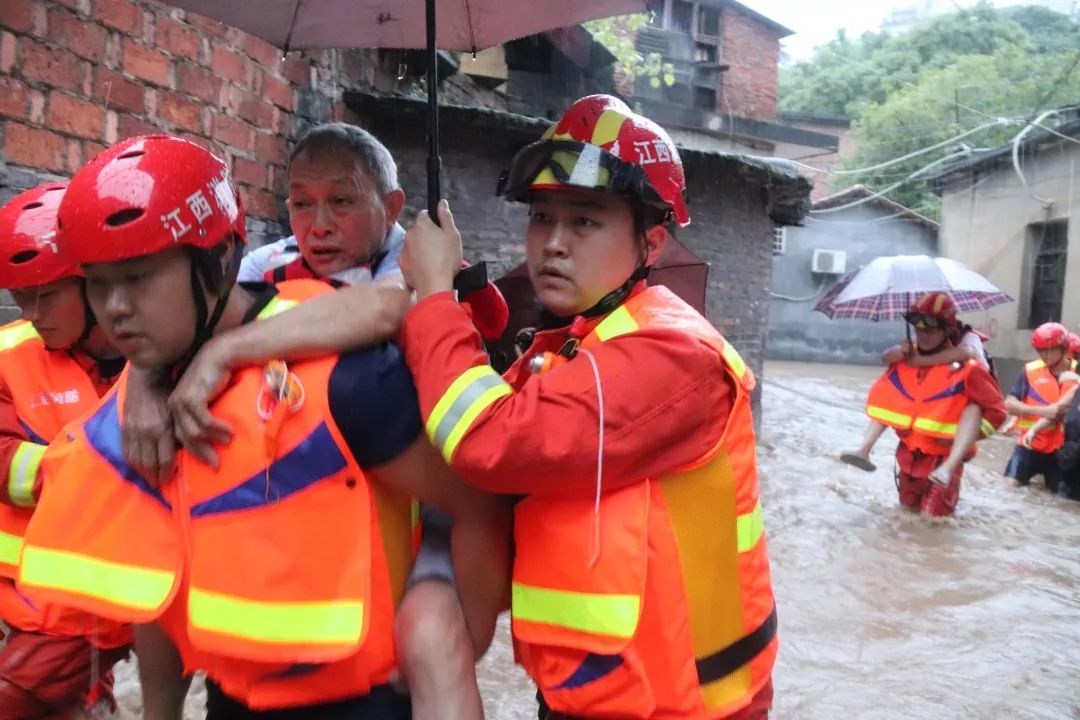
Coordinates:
815 22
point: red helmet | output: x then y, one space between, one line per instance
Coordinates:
601 144
937 305
148 194
1074 344
1049 336
29 254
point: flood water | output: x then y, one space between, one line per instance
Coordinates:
883 614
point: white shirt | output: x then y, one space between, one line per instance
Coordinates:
973 341
258 262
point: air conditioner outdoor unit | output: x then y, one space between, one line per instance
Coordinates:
829 262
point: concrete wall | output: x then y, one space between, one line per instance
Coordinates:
984 224
796 331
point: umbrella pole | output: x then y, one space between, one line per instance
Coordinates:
434 163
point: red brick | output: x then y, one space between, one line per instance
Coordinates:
146 63
270 148
14 98
297 71
260 51
75 117
50 65
211 26
259 203
230 131
8 45
122 15
34 148
17 15
250 173
229 64
251 107
82 38
279 92
80 6
90 149
74 156
112 89
130 126
177 38
199 82
182 112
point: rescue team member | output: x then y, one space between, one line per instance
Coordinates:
646 595
1074 348
282 612
1039 393
939 412
965 343
54 365
344 203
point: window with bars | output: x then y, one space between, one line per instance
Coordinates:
1047 254
779 241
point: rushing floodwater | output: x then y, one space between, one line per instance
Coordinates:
884 614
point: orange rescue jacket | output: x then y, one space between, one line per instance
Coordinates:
1043 388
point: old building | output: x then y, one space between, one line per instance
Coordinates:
1016 223
807 262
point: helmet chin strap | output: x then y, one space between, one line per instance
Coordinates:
207 275
603 306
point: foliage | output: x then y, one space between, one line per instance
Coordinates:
617 34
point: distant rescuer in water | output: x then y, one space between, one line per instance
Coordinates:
939 412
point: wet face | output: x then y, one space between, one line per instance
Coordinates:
580 246
338 214
56 309
145 306
929 339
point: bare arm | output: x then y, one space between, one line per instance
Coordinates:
1019 408
352 317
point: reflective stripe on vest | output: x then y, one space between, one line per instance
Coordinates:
987 428
14 336
23 472
117 583
609 615
889 417
934 426
468 396
749 528
276 306
10 548
276 622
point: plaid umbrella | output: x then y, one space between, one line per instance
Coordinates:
888 286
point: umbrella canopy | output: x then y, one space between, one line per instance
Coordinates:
465 25
887 287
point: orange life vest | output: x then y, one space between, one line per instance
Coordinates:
924 405
660 600
272 572
1043 388
48 389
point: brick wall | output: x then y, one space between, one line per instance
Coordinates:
753 52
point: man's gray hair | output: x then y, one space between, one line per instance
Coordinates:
337 138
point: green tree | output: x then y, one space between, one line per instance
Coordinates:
1051 32
618 34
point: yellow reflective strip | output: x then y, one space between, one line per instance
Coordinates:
987 428
13 336
10 547
888 416
1026 423
749 528
414 514
1035 365
610 615
116 583
23 472
301 623
276 306
935 426
731 355
606 130
469 395
618 322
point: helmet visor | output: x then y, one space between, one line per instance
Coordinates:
923 321
572 164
